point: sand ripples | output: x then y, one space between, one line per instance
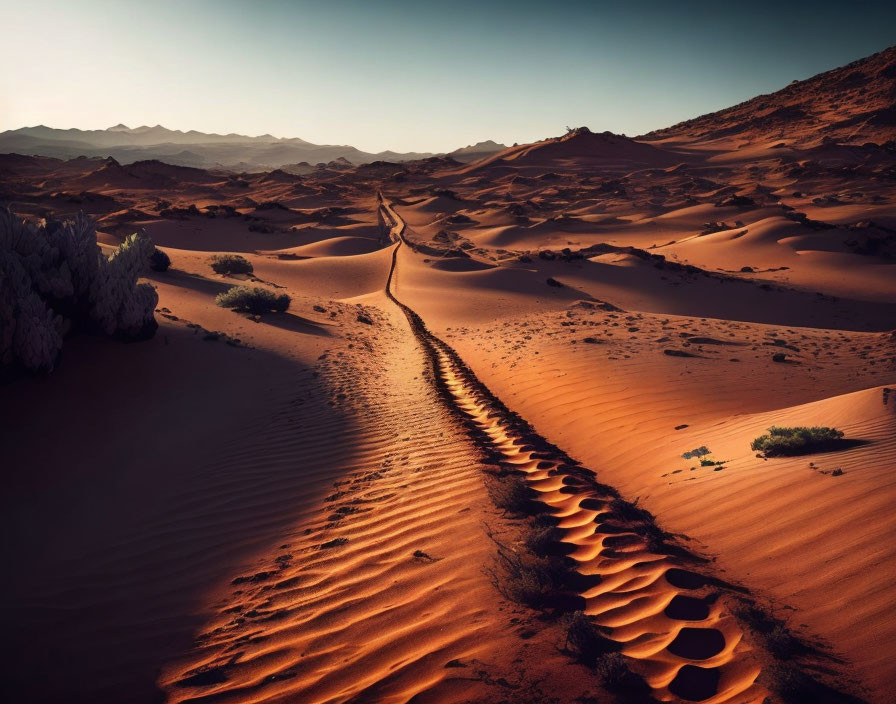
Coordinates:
664 617
370 596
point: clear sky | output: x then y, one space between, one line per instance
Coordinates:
421 76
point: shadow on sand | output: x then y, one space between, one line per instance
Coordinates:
295 323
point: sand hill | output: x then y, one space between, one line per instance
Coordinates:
459 467
853 104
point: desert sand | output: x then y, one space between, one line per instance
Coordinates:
452 470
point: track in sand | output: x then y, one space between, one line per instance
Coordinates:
383 598
635 587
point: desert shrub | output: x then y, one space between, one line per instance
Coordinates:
542 538
54 278
584 639
773 632
788 675
796 686
629 512
796 441
511 494
525 581
699 452
781 643
159 261
231 264
122 307
614 673
612 670
253 300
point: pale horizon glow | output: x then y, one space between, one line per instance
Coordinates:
404 76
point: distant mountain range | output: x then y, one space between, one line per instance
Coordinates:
852 104
192 148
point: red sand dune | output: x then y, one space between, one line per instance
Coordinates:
452 470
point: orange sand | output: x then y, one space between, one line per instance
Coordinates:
301 515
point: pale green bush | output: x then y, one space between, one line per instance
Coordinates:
231 264
797 441
54 278
253 300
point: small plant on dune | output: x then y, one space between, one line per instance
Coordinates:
798 440
542 538
121 307
231 264
699 453
797 686
773 632
253 300
614 673
159 261
522 579
612 670
512 495
791 680
584 639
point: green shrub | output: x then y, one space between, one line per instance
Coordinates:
54 279
796 441
253 300
231 264
698 452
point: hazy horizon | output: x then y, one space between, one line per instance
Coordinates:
405 76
